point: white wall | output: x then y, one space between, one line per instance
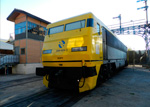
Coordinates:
25 68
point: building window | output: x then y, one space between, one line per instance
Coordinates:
32 28
36 29
16 50
22 51
20 28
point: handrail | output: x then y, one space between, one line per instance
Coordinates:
9 60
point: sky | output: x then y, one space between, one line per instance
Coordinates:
55 10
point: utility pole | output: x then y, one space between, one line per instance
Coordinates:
146 7
120 22
146 29
147 42
119 17
133 26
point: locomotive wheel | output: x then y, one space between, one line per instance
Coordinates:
111 71
105 73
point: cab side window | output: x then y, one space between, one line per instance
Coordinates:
98 29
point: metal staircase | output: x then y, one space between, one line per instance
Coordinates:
8 60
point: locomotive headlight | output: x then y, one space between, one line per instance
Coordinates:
84 48
47 51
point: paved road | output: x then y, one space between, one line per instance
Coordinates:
18 89
128 88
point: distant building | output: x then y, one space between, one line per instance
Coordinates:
6 52
29 37
5 48
3 40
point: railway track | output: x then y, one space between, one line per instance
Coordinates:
48 98
13 83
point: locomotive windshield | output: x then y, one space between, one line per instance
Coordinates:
70 26
57 29
75 25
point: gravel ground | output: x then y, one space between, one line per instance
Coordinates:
129 88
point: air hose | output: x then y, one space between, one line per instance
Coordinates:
47 77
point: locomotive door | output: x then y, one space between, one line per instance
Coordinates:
104 43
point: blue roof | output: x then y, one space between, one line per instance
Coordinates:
16 12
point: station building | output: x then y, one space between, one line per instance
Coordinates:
29 37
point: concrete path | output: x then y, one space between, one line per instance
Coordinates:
130 88
10 77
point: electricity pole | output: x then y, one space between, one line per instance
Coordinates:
119 17
146 29
146 7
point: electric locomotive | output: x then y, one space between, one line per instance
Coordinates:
80 52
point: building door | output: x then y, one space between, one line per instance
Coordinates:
17 50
